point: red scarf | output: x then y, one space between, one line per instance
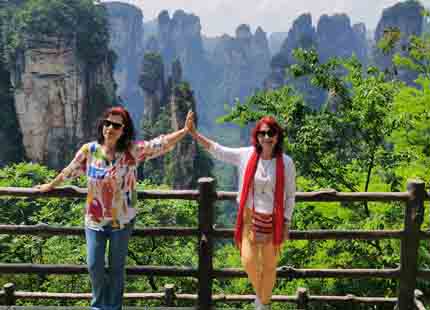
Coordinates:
278 207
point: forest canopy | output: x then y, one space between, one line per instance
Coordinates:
67 20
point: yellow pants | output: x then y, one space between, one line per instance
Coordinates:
259 261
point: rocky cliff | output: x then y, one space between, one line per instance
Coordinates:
184 168
179 38
333 37
226 68
60 72
167 102
152 83
240 65
55 98
209 43
406 18
337 37
126 40
275 41
301 35
10 133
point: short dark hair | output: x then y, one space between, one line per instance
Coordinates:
128 135
273 124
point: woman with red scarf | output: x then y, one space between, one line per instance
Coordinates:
266 201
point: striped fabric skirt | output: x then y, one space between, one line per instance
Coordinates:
258 255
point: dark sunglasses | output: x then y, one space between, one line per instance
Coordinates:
270 133
107 123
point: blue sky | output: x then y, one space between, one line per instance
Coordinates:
223 16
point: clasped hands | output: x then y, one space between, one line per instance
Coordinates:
190 123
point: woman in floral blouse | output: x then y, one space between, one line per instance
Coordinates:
110 164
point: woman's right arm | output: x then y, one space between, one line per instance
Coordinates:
51 185
76 168
226 154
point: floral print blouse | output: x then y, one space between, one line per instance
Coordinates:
112 195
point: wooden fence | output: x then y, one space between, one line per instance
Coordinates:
406 274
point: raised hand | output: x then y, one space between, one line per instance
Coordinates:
189 123
190 126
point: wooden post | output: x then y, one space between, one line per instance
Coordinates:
409 245
9 290
302 298
169 295
207 199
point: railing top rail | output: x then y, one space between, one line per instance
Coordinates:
407 272
184 271
325 195
78 192
332 195
216 297
48 230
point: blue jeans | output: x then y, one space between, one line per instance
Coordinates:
107 287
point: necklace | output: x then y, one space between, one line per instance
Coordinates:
265 165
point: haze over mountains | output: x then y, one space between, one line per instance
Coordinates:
223 16
168 64
225 68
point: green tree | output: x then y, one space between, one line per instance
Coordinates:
412 110
418 58
68 20
345 146
340 145
72 250
411 138
40 249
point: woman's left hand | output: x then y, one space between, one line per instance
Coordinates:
189 122
286 235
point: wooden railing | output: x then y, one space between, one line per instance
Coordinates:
407 273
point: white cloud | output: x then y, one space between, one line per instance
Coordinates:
223 16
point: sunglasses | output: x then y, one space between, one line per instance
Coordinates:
269 133
107 123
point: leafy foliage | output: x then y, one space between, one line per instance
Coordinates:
39 249
72 250
334 145
390 38
68 20
418 58
152 72
370 135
